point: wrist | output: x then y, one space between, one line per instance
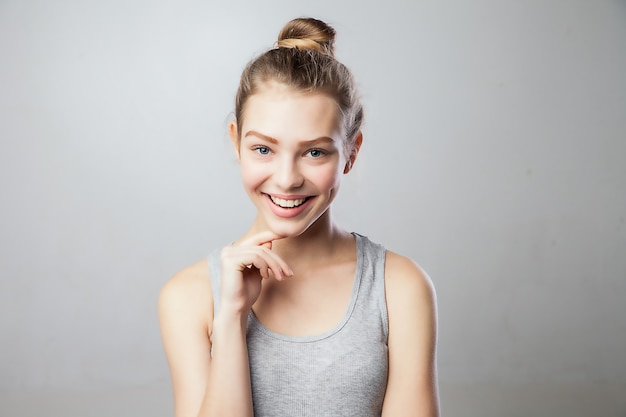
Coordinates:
230 318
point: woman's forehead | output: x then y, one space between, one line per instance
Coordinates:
279 112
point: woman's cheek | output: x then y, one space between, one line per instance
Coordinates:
328 178
252 175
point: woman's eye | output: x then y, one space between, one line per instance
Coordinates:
316 153
262 150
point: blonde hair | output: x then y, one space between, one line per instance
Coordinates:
304 60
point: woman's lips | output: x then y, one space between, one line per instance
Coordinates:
287 203
288 206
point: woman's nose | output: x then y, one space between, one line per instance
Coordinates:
287 174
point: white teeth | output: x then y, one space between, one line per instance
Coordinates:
287 203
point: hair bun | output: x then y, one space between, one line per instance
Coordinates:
308 33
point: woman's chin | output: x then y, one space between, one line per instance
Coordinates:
286 231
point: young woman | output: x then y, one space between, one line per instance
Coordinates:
299 317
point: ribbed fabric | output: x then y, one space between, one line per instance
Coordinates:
342 372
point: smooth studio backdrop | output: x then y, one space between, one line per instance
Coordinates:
494 155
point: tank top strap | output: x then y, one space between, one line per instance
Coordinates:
371 294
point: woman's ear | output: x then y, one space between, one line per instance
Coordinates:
358 141
234 136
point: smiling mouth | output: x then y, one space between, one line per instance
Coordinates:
288 203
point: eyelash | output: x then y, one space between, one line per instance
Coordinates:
321 152
264 151
258 149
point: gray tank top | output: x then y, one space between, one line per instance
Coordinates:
342 372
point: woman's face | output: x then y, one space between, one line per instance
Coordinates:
291 156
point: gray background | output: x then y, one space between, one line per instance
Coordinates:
494 155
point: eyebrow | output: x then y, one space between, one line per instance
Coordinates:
275 141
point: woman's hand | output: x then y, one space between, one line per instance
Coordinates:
244 266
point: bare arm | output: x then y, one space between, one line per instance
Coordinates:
185 311
228 389
411 305
208 355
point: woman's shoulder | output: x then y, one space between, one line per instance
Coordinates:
188 290
412 312
406 281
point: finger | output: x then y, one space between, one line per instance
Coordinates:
264 272
281 269
278 268
260 257
260 238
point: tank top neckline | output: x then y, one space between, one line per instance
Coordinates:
253 321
